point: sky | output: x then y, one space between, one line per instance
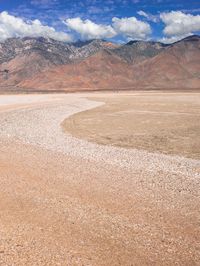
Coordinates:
115 20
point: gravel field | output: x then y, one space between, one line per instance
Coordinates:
40 125
65 201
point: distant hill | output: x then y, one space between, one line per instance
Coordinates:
46 64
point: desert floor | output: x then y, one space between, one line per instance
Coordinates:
66 199
168 123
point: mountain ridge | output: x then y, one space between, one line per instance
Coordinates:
40 63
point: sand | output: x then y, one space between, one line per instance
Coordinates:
168 123
66 201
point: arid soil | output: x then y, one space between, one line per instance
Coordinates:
65 201
160 122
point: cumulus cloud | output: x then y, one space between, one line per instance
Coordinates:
178 23
90 30
131 28
11 26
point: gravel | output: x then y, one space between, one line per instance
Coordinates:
65 201
41 125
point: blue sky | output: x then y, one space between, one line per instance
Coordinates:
117 20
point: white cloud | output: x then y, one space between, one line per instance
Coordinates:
11 26
131 28
148 16
142 13
178 23
90 30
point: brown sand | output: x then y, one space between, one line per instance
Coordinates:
160 122
57 209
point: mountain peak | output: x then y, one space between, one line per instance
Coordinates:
141 42
25 58
134 42
192 38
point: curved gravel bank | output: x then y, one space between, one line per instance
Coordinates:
41 125
64 201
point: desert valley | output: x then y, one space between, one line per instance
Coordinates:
99 140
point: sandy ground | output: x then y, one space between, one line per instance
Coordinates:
65 201
158 122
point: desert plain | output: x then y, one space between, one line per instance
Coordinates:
100 179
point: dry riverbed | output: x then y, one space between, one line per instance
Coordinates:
66 201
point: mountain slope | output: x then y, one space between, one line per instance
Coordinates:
137 51
45 64
24 58
100 71
178 66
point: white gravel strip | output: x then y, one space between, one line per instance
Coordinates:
40 125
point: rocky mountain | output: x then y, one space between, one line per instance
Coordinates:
102 70
56 52
24 58
137 51
46 64
176 67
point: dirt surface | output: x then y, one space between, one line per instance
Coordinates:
64 201
158 122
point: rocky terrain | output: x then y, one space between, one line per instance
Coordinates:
137 51
46 64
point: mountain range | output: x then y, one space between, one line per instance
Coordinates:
43 64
